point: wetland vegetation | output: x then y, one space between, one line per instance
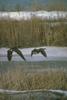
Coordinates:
34 32
39 75
33 75
17 79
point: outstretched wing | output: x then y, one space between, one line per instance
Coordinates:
43 52
9 55
19 53
32 52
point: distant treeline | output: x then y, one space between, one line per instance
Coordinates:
34 32
35 6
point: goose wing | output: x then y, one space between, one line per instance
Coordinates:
34 51
9 55
44 53
19 53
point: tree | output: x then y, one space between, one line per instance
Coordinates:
18 7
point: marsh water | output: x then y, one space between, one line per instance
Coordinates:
56 58
34 95
53 53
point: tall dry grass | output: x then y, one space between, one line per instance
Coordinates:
20 80
34 32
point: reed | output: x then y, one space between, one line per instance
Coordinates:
34 32
20 80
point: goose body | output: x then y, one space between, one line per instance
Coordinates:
40 50
15 49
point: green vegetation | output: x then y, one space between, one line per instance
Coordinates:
52 5
34 32
33 66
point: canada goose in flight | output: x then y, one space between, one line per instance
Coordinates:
40 50
10 51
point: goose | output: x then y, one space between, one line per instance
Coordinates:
40 50
15 49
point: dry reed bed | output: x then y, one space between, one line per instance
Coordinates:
20 80
34 32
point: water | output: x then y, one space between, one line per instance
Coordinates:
33 95
27 15
53 54
56 58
